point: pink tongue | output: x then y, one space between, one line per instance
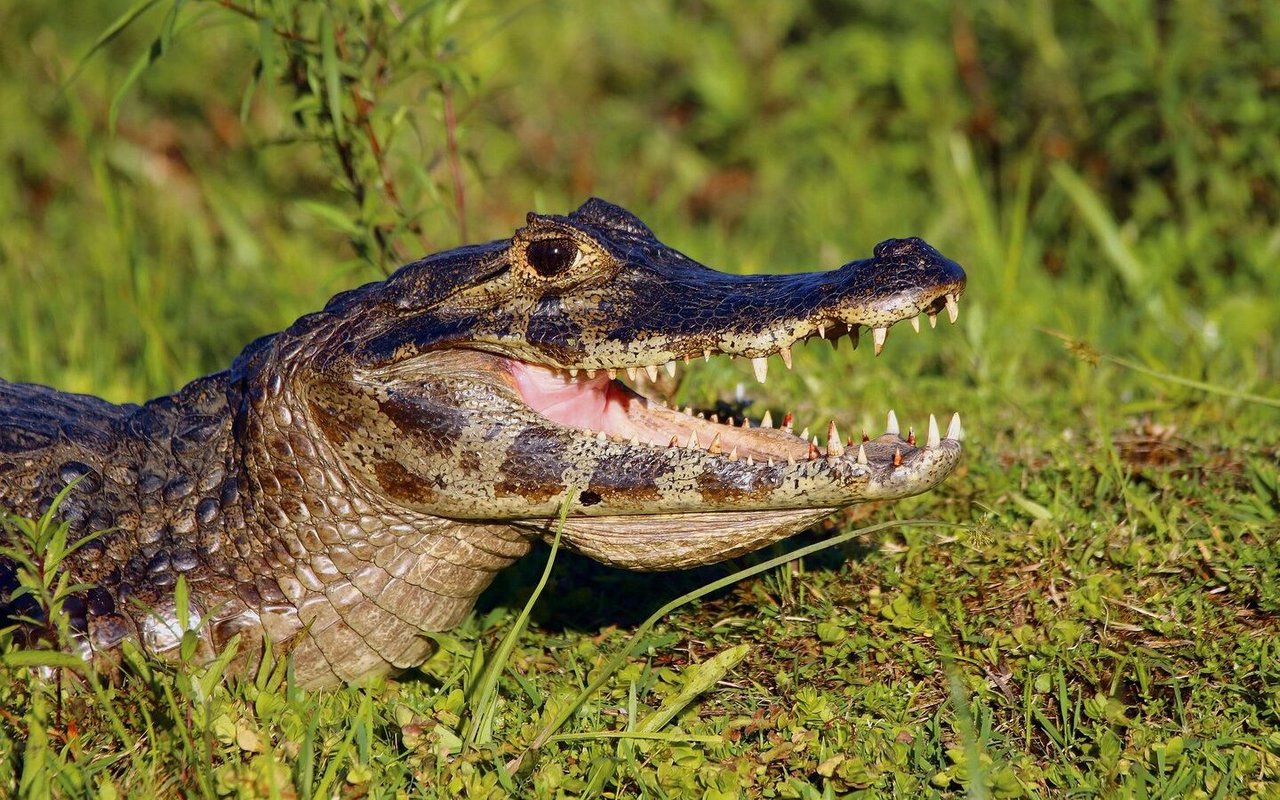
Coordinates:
592 403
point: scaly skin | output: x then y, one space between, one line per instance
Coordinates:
360 477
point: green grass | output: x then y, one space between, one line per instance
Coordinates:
1103 623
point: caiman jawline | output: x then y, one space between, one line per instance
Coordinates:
598 403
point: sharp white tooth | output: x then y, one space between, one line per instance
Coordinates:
591 373
761 367
862 455
716 419
934 440
804 434
733 454
693 440
878 335
953 308
767 420
751 462
633 373
652 372
635 440
714 447
915 323
573 372
771 461
706 355
835 448
613 373
671 368
688 410
601 437
786 356
892 425
933 319
822 331
954 431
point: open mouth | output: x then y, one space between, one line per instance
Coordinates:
598 403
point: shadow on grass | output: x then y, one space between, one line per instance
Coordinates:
584 595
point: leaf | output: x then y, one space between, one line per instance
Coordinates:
113 30
698 678
42 658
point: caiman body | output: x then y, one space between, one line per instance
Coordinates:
359 478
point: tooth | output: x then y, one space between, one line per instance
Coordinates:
702 415
688 410
675 441
601 437
933 440
573 372
751 462
671 368
591 373
733 454
767 420
715 418
791 461
804 434
613 373
878 335
787 419
834 447
813 449
897 456
822 330
686 359
953 308
862 455
635 440
892 425
911 436
771 461
915 323
633 373
761 367
652 372
933 319
954 431
786 356
693 441
706 355
714 447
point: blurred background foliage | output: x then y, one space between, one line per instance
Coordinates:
215 169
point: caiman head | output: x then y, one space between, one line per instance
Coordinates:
487 384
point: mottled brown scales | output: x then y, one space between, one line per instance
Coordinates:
357 480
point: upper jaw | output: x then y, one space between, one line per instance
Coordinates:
669 310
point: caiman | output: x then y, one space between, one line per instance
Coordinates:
359 478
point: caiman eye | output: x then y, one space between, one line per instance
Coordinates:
551 256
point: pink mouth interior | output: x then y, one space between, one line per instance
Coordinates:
597 404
